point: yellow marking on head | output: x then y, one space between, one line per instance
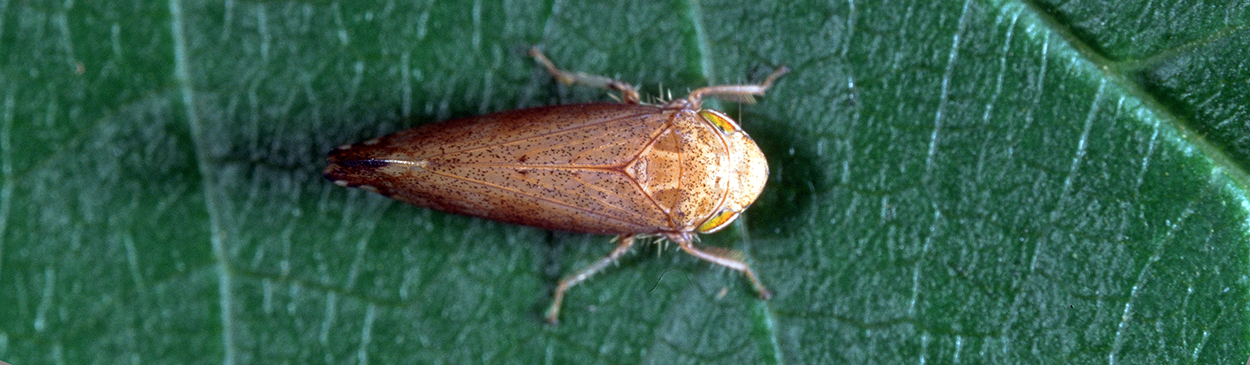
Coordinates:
719 120
718 221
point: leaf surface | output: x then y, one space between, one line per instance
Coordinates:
980 181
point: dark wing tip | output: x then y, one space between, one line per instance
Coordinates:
351 167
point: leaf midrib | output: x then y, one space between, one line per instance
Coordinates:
183 80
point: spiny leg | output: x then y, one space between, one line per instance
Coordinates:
624 243
741 93
628 93
727 258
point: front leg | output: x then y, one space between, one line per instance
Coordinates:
723 257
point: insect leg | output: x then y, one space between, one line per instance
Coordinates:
740 93
727 258
628 93
625 242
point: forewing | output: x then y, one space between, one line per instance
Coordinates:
556 167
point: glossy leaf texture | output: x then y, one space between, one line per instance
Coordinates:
952 182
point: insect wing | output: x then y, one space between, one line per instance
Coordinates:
571 167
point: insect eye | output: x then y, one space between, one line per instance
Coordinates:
718 221
719 120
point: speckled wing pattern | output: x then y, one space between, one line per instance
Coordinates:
571 167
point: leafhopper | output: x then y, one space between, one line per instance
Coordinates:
631 169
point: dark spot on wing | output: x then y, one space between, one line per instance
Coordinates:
363 163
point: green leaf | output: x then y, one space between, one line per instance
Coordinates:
981 181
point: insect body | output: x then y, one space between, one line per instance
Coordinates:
628 169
